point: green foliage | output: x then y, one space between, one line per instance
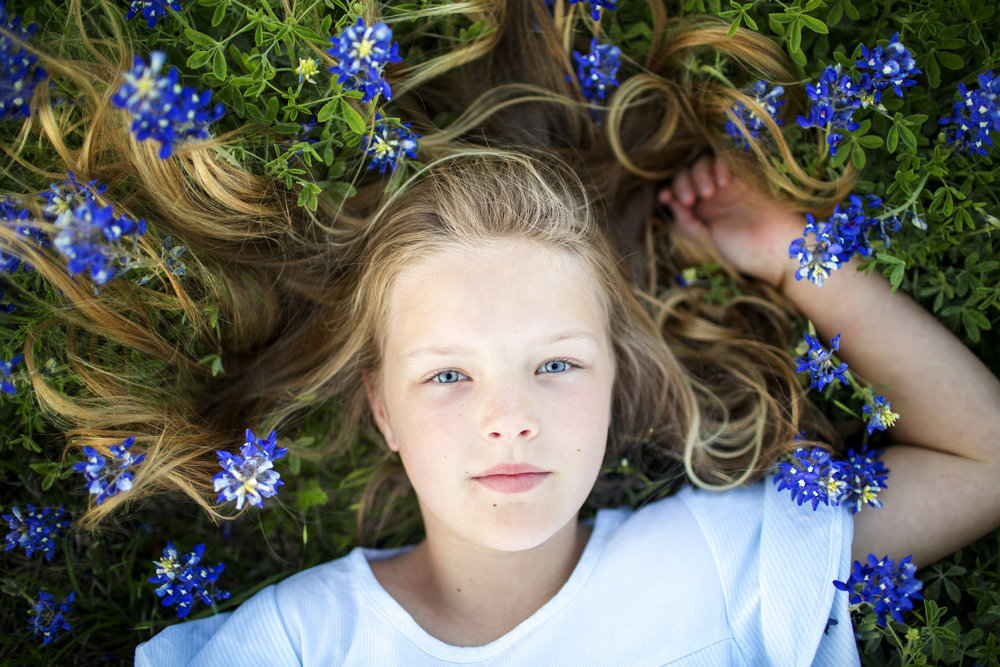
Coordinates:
947 255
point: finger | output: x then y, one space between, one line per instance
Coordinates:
683 188
703 175
686 221
721 173
665 195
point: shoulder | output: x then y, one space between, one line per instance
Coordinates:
771 560
280 618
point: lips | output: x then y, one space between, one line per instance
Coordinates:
512 477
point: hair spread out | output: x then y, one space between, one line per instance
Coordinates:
703 389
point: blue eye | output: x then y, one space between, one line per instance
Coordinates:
556 366
447 377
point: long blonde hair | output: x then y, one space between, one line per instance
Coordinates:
292 298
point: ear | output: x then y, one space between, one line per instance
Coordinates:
377 404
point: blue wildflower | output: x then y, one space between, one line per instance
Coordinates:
107 478
388 143
890 66
975 116
597 70
811 475
15 217
249 477
597 5
183 580
820 364
151 10
835 98
89 235
878 412
35 529
362 53
889 588
307 70
864 475
19 71
49 618
161 108
6 368
769 101
818 260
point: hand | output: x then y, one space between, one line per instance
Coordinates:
750 230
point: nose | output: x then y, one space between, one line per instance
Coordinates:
508 414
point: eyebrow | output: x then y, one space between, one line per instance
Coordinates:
575 335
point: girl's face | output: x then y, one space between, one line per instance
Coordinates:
495 389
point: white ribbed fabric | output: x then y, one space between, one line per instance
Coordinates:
742 577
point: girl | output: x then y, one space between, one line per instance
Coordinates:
494 321
502 352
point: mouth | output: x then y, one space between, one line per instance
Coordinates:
512 477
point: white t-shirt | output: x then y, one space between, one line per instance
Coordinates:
741 577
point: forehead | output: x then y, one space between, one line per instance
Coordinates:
509 291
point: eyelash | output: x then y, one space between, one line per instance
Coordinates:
569 362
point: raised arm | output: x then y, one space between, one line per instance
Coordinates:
944 486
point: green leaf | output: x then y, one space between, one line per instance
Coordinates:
870 141
896 276
219 68
795 37
851 10
782 18
907 136
950 60
858 158
220 14
353 118
327 111
892 139
198 59
199 38
272 109
815 24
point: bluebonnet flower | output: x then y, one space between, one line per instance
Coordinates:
811 476
597 70
151 10
19 72
878 412
597 5
975 116
161 108
864 475
6 368
183 580
49 618
388 143
13 211
250 476
106 478
90 236
35 530
889 588
769 101
835 98
848 231
307 70
890 66
818 260
820 364
362 53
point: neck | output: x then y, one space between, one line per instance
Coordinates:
468 595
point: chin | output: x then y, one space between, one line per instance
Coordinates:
517 532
